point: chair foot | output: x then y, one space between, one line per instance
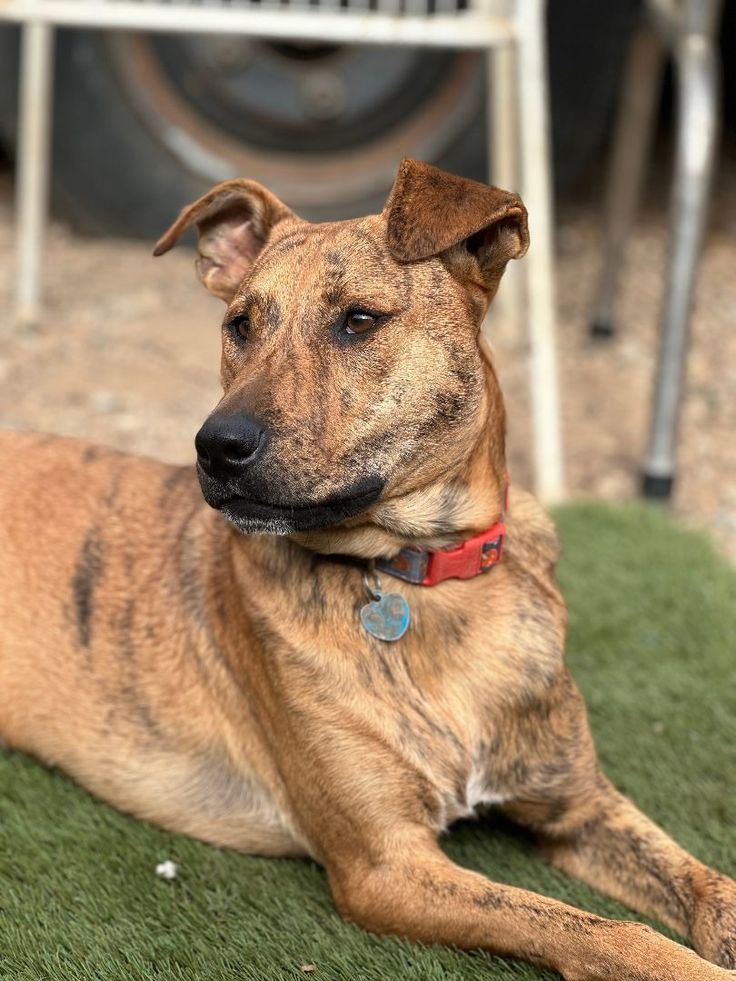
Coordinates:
601 329
657 488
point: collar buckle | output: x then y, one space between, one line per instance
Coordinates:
467 560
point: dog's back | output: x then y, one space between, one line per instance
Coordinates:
112 663
80 549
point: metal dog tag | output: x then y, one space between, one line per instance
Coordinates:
387 616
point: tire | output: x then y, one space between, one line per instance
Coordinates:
136 137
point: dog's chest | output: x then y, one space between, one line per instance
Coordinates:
430 713
441 725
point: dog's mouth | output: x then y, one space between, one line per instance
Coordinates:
256 517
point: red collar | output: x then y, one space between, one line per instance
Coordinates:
428 567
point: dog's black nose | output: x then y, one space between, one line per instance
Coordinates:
227 444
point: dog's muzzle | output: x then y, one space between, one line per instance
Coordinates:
229 451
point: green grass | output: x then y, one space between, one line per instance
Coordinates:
653 629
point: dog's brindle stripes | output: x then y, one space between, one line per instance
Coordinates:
221 685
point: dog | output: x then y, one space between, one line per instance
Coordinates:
360 640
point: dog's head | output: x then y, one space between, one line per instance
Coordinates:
354 385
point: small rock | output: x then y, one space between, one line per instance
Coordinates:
167 869
103 401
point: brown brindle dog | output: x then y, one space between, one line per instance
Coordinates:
223 684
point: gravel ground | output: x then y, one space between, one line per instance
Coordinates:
128 355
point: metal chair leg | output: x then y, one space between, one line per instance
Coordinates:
697 86
536 190
634 128
33 163
504 171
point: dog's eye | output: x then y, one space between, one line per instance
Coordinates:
359 322
239 326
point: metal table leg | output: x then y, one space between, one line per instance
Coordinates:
634 127
696 62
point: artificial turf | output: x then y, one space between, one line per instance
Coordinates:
652 644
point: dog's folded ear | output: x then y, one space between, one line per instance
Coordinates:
429 212
233 222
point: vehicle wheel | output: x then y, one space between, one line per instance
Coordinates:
145 123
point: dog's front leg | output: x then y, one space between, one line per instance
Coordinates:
605 840
415 891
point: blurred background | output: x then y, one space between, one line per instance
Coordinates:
127 349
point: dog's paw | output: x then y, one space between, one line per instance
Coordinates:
635 952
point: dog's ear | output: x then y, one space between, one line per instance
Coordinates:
233 222
428 212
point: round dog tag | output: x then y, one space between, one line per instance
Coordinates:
387 616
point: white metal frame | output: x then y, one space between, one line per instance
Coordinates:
511 31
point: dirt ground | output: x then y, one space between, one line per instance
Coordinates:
128 354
